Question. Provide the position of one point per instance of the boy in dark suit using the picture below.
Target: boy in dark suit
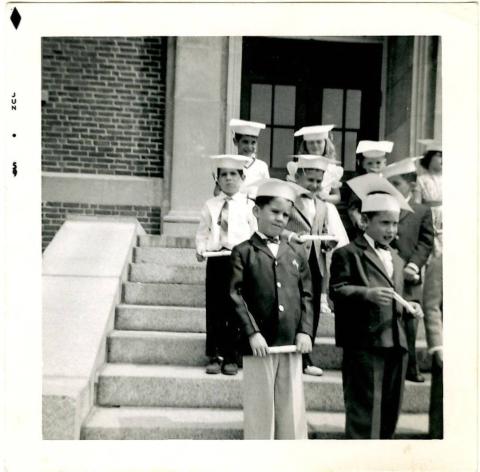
(272, 294)
(310, 216)
(414, 243)
(369, 323)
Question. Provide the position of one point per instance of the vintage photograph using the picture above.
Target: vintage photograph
(242, 237)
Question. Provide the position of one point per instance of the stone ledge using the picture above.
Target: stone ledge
(101, 189)
(83, 270)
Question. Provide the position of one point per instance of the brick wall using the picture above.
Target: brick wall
(104, 105)
(55, 213)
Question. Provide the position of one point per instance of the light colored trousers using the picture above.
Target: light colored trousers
(273, 397)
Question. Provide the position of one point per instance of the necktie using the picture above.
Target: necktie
(272, 240)
(223, 222)
(381, 246)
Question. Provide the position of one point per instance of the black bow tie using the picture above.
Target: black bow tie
(378, 245)
(272, 240)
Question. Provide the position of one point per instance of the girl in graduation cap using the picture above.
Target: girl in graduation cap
(316, 140)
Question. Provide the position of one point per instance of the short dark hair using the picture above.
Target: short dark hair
(240, 171)
(238, 136)
(410, 177)
(427, 158)
(371, 214)
(263, 200)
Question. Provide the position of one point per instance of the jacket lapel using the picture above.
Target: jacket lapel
(397, 272)
(258, 243)
(372, 257)
(300, 208)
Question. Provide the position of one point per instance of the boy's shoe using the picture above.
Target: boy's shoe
(313, 370)
(229, 368)
(214, 367)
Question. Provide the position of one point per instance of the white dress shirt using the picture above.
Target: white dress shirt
(241, 222)
(272, 246)
(384, 255)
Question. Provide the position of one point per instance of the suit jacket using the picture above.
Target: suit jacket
(360, 323)
(299, 223)
(414, 242)
(271, 295)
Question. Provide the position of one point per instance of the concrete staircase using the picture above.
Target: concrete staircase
(154, 385)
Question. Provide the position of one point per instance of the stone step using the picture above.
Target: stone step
(166, 256)
(136, 293)
(160, 318)
(191, 387)
(190, 319)
(149, 272)
(171, 348)
(165, 240)
(149, 423)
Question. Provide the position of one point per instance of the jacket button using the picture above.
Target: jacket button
(279, 284)
(276, 263)
(280, 308)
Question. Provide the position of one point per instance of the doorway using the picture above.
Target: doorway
(290, 83)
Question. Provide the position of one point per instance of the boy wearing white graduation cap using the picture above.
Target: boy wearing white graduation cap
(371, 159)
(369, 322)
(245, 138)
(225, 220)
(272, 295)
(414, 243)
(312, 216)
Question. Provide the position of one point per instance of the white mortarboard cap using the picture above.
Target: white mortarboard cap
(377, 194)
(250, 128)
(278, 188)
(313, 133)
(228, 161)
(405, 166)
(374, 148)
(311, 161)
(431, 145)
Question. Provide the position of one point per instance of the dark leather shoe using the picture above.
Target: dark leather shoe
(415, 377)
(229, 368)
(214, 366)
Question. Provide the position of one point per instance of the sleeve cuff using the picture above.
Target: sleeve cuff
(413, 266)
(434, 349)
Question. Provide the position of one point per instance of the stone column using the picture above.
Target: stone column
(199, 122)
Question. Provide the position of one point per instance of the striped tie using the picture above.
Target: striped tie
(223, 223)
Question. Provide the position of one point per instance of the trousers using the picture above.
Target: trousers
(273, 397)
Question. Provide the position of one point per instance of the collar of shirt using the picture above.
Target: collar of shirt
(224, 196)
(384, 255)
(371, 242)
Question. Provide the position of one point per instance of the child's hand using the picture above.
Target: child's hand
(303, 342)
(297, 238)
(411, 274)
(418, 309)
(329, 245)
(380, 295)
(200, 258)
(258, 344)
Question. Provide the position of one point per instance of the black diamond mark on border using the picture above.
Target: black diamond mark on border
(16, 18)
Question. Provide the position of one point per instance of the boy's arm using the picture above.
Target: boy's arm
(248, 324)
(203, 230)
(425, 241)
(342, 282)
(306, 320)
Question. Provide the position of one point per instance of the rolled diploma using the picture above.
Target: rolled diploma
(282, 349)
(318, 237)
(404, 303)
(216, 253)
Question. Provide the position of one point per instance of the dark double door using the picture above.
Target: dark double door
(290, 83)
